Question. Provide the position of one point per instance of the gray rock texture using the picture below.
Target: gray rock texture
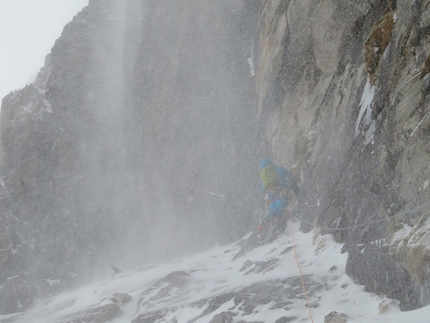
(335, 317)
(138, 129)
(279, 293)
(221, 318)
(99, 314)
(148, 120)
(353, 126)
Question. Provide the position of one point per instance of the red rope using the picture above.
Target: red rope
(300, 271)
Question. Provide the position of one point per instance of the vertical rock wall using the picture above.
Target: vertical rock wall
(149, 118)
(137, 141)
(69, 185)
(342, 89)
(196, 93)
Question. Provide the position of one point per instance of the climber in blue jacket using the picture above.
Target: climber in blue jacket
(276, 182)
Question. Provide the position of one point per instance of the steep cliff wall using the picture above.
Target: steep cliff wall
(194, 85)
(138, 134)
(342, 89)
(63, 137)
(147, 124)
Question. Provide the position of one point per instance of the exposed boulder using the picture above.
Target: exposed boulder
(410, 247)
(259, 266)
(100, 314)
(274, 291)
(148, 318)
(223, 317)
(279, 293)
(163, 289)
(387, 305)
(212, 304)
(335, 317)
(119, 298)
(286, 319)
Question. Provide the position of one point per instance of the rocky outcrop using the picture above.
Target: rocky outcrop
(162, 289)
(246, 301)
(101, 314)
(17, 290)
(139, 127)
(344, 105)
(213, 287)
(221, 318)
(195, 89)
(156, 113)
(62, 136)
(335, 317)
(409, 247)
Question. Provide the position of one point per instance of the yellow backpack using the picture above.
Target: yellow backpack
(269, 178)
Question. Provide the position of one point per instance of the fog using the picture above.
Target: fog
(138, 140)
(193, 92)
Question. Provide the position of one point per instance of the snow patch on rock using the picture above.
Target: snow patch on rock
(365, 124)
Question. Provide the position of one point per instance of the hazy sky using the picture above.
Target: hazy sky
(28, 30)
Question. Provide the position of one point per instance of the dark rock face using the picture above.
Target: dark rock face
(147, 121)
(278, 292)
(57, 135)
(174, 281)
(335, 317)
(100, 314)
(198, 113)
(139, 128)
(221, 318)
(359, 148)
(281, 293)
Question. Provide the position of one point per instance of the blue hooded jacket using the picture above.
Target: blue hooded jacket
(278, 203)
(286, 179)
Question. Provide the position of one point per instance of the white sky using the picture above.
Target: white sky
(28, 30)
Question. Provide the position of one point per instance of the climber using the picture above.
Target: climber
(276, 182)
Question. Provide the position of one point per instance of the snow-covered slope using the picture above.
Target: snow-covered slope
(226, 284)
